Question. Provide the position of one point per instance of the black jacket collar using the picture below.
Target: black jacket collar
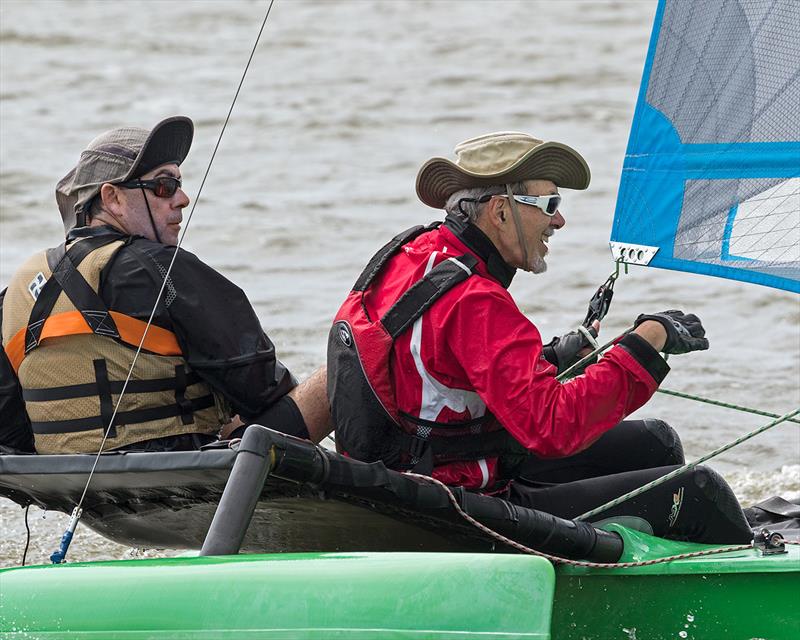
(478, 242)
(93, 232)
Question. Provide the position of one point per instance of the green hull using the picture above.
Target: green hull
(729, 596)
(409, 595)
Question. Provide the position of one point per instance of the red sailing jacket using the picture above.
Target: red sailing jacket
(473, 352)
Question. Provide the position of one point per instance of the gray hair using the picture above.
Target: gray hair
(471, 211)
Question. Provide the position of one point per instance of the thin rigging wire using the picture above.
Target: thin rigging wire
(77, 509)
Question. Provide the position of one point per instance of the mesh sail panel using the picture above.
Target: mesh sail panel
(712, 172)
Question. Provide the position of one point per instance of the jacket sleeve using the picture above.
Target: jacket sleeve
(500, 352)
(217, 328)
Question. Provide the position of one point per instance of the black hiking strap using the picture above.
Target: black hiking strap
(68, 279)
(123, 418)
(383, 255)
(181, 382)
(115, 386)
(427, 290)
(104, 393)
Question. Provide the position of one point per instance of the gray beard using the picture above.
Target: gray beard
(538, 265)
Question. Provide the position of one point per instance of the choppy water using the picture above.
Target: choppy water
(343, 103)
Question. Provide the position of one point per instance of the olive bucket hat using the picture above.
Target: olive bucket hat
(500, 158)
(117, 156)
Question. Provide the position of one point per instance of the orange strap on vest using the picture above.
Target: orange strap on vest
(70, 323)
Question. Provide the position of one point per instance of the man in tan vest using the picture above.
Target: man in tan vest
(74, 316)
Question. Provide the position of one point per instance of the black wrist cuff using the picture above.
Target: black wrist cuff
(646, 356)
(549, 354)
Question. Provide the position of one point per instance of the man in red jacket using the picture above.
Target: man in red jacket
(433, 367)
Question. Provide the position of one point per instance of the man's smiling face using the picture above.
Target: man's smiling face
(537, 229)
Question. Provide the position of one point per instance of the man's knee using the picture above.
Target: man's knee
(668, 438)
(714, 487)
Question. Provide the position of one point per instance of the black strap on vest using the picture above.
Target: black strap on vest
(123, 417)
(68, 279)
(386, 252)
(427, 290)
(90, 388)
(180, 394)
(104, 393)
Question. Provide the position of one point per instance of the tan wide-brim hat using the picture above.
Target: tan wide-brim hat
(120, 155)
(500, 158)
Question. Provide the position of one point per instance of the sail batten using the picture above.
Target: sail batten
(711, 178)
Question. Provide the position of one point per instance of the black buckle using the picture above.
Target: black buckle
(415, 446)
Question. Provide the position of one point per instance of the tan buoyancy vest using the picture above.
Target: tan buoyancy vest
(72, 360)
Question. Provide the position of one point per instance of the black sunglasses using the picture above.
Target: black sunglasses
(162, 187)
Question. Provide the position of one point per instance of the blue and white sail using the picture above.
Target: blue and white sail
(711, 179)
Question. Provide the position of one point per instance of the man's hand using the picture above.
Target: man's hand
(684, 332)
(565, 351)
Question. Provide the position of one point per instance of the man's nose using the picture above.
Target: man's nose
(558, 221)
(183, 199)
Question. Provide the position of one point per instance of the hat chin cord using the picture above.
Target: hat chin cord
(150, 213)
(518, 224)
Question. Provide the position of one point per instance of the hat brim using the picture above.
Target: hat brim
(168, 142)
(440, 178)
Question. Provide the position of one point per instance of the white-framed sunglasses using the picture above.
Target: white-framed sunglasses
(548, 204)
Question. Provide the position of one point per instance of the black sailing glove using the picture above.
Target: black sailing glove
(685, 332)
(563, 352)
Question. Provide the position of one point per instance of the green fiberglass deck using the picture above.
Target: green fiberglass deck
(390, 595)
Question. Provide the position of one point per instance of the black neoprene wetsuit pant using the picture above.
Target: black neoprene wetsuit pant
(697, 505)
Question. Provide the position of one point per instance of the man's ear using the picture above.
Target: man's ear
(496, 213)
(109, 195)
